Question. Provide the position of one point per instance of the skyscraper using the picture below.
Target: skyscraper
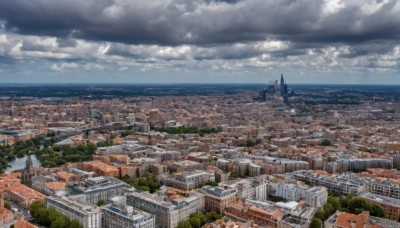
(282, 86)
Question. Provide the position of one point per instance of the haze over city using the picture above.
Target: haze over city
(200, 41)
(199, 113)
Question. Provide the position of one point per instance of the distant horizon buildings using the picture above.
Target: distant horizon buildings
(276, 91)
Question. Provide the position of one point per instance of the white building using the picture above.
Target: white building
(73, 207)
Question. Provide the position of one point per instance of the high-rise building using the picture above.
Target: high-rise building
(282, 86)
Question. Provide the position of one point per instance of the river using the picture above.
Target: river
(19, 163)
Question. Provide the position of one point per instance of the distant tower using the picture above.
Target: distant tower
(282, 86)
(27, 173)
(285, 94)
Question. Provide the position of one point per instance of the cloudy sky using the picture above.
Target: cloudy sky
(213, 41)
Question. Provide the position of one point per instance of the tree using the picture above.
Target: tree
(357, 205)
(376, 210)
(60, 222)
(213, 216)
(316, 223)
(34, 208)
(7, 205)
(43, 217)
(334, 202)
(326, 142)
(184, 224)
(101, 203)
(320, 214)
(74, 224)
(328, 209)
(195, 222)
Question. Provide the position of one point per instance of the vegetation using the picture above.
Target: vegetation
(10, 152)
(326, 142)
(7, 205)
(126, 132)
(275, 198)
(350, 204)
(185, 130)
(60, 154)
(101, 203)
(197, 220)
(49, 217)
(249, 143)
(316, 223)
(104, 144)
(147, 182)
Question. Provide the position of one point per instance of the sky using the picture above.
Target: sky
(200, 41)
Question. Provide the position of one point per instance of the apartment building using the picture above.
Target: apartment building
(391, 206)
(98, 188)
(190, 179)
(89, 216)
(122, 216)
(168, 211)
(218, 198)
(385, 188)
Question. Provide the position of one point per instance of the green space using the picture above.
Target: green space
(197, 220)
(147, 182)
(185, 130)
(49, 217)
(57, 155)
(350, 204)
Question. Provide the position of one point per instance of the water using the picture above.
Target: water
(19, 163)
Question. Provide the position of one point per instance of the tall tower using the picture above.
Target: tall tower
(282, 86)
(27, 173)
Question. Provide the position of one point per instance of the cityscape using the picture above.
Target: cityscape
(200, 114)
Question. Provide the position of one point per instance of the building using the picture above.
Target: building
(313, 197)
(385, 188)
(190, 179)
(122, 216)
(217, 199)
(391, 206)
(344, 184)
(344, 219)
(168, 211)
(6, 216)
(98, 188)
(261, 216)
(74, 207)
(28, 173)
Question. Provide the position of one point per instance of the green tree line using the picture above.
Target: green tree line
(57, 155)
(49, 217)
(350, 204)
(147, 182)
(197, 220)
(185, 130)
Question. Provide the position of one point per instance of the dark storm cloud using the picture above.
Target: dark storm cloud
(202, 22)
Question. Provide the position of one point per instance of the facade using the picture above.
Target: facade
(217, 199)
(313, 197)
(345, 184)
(344, 219)
(74, 208)
(168, 212)
(391, 206)
(190, 179)
(122, 216)
(385, 188)
(99, 188)
(261, 216)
